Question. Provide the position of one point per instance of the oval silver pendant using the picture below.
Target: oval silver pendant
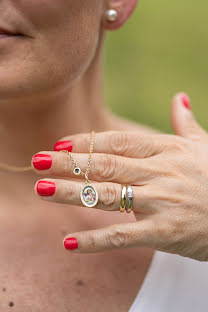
(89, 196)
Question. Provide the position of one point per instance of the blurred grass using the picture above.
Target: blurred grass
(161, 50)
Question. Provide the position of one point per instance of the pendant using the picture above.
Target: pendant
(89, 196)
(77, 171)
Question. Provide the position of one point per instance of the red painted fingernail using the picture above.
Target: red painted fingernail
(42, 161)
(46, 188)
(63, 145)
(71, 243)
(186, 101)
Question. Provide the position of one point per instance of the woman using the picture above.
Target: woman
(51, 91)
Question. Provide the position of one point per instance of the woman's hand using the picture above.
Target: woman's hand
(169, 176)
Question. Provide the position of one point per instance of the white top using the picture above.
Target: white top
(173, 284)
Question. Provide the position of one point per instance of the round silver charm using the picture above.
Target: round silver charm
(89, 196)
(77, 171)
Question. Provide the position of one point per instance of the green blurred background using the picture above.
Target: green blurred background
(163, 49)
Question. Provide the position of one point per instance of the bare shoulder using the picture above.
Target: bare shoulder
(121, 123)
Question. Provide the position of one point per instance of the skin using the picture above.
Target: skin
(35, 112)
(48, 80)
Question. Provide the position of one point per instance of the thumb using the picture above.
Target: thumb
(183, 121)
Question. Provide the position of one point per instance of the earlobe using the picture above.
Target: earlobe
(117, 13)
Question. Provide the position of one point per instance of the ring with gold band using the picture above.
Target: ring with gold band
(129, 202)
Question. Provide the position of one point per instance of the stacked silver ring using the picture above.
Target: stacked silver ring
(126, 198)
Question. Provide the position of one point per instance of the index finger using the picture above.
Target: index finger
(124, 143)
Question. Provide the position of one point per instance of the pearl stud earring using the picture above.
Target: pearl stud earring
(111, 15)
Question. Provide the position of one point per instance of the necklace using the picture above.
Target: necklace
(14, 168)
(88, 194)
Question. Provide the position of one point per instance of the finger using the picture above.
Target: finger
(109, 195)
(136, 234)
(124, 143)
(104, 167)
(183, 120)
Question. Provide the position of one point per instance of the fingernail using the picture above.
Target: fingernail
(46, 188)
(42, 161)
(186, 101)
(71, 243)
(63, 145)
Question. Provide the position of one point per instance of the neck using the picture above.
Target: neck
(36, 125)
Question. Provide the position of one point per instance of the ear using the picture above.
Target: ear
(124, 9)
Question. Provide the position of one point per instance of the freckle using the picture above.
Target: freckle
(80, 283)
(63, 232)
(4, 289)
(11, 304)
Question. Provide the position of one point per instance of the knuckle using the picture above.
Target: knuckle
(61, 164)
(174, 229)
(170, 234)
(179, 145)
(64, 165)
(167, 197)
(147, 145)
(92, 241)
(161, 231)
(69, 192)
(108, 196)
(119, 142)
(105, 167)
(176, 147)
(117, 237)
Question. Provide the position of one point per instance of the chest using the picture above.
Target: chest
(51, 282)
(37, 274)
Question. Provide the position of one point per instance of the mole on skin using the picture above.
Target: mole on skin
(80, 283)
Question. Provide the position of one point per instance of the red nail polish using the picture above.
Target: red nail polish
(186, 101)
(71, 243)
(63, 145)
(46, 188)
(42, 161)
